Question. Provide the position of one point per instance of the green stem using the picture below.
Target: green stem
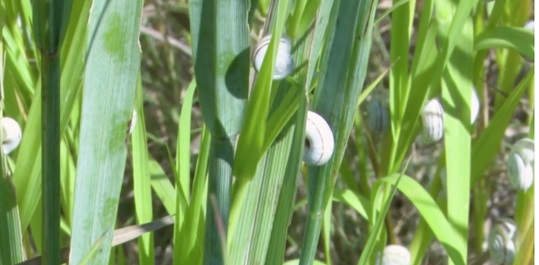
(50, 111)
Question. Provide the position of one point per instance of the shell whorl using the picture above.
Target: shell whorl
(396, 255)
(520, 164)
(432, 117)
(501, 241)
(11, 133)
(377, 116)
(284, 64)
(319, 142)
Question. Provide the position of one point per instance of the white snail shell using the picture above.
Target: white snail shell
(319, 142)
(283, 63)
(396, 255)
(501, 241)
(475, 106)
(133, 122)
(433, 122)
(377, 116)
(11, 133)
(520, 164)
(530, 25)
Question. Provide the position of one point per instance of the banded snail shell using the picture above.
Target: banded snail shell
(132, 122)
(284, 64)
(396, 255)
(520, 164)
(474, 111)
(433, 122)
(377, 116)
(319, 142)
(11, 133)
(501, 241)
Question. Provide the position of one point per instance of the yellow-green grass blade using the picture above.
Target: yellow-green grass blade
(142, 181)
(183, 152)
(431, 212)
(192, 231)
(384, 196)
(162, 186)
(398, 75)
(516, 38)
(285, 204)
(326, 232)
(355, 200)
(252, 140)
(483, 149)
(11, 251)
(108, 100)
(221, 51)
(456, 99)
(342, 74)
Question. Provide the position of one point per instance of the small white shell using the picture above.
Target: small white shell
(283, 63)
(133, 122)
(530, 25)
(11, 133)
(396, 255)
(433, 122)
(377, 116)
(475, 106)
(319, 142)
(520, 164)
(501, 241)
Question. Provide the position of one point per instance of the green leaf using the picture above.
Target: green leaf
(518, 39)
(108, 99)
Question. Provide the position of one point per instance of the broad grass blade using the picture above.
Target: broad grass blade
(108, 100)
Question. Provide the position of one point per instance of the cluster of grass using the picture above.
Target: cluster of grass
(213, 164)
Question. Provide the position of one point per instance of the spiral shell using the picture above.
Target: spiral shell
(319, 142)
(530, 25)
(501, 241)
(475, 106)
(11, 133)
(433, 122)
(396, 255)
(377, 116)
(283, 63)
(520, 164)
(132, 122)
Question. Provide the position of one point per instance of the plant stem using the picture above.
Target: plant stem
(50, 111)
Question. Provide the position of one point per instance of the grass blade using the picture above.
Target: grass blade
(108, 99)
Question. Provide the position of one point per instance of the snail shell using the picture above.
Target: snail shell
(283, 63)
(319, 142)
(11, 133)
(520, 164)
(132, 122)
(501, 241)
(396, 255)
(433, 122)
(377, 116)
(475, 106)
(530, 25)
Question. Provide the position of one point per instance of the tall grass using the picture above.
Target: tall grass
(215, 157)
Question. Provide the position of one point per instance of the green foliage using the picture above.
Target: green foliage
(217, 146)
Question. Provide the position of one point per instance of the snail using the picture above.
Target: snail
(520, 164)
(433, 122)
(132, 123)
(283, 63)
(11, 133)
(433, 119)
(319, 142)
(501, 241)
(377, 116)
(530, 25)
(474, 111)
(395, 255)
